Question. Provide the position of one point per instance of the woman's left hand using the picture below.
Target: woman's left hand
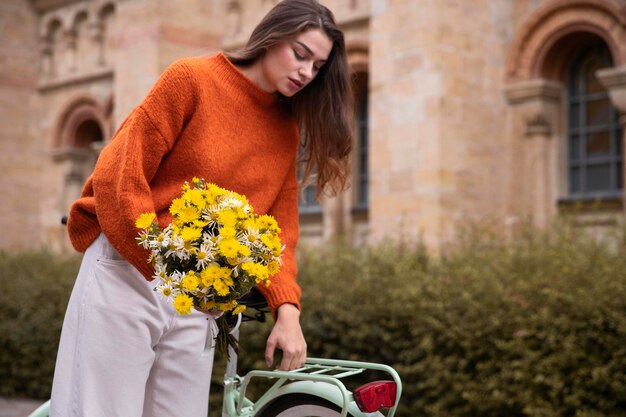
(287, 336)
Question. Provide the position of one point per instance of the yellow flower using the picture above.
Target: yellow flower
(195, 197)
(277, 246)
(208, 305)
(183, 304)
(191, 281)
(213, 192)
(226, 279)
(262, 271)
(273, 268)
(178, 204)
(227, 232)
(145, 220)
(191, 234)
(199, 223)
(212, 273)
(189, 214)
(227, 306)
(239, 309)
(244, 250)
(241, 214)
(223, 283)
(259, 271)
(228, 218)
(229, 247)
(208, 275)
(249, 223)
(220, 287)
(267, 241)
(267, 222)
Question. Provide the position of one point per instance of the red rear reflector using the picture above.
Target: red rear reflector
(375, 395)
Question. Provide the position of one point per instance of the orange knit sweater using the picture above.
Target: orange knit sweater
(202, 118)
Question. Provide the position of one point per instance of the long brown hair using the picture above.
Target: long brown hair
(323, 108)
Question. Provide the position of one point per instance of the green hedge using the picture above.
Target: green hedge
(534, 326)
(34, 290)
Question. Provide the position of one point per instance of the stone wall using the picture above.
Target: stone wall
(21, 153)
(466, 103)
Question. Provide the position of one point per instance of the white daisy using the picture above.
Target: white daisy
(167, 290)
(204, 256)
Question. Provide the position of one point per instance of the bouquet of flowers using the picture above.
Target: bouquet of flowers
(214, 251)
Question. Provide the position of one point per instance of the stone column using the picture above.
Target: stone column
(614, 80)
(72, 162)
(537, 102)
(71, 50)
(96, 35)
(331, 221)
(45, 52)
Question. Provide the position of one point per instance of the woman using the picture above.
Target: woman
(234, 120)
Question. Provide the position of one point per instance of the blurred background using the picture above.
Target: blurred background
(482, 237)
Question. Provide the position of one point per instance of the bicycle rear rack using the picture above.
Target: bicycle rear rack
(329, 371)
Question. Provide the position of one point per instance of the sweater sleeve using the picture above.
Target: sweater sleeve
(284, 288)
(125, 168)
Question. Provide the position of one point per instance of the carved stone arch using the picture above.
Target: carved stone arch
(78, 39)
(63, 18)
(49, 24)
(105, 9)
(50, 30)
(53, 47)
(81, 129)
(80, 110)
(80, 15)
(545, 40)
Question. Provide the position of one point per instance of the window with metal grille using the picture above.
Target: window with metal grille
(362, 143)
(306, 199)
(594, 134)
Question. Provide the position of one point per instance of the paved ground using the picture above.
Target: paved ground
(17, 408)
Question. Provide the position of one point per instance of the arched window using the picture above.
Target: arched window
(87, 133)
(594, 134)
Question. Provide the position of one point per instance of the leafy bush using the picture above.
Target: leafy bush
(34, 291)
(530, 327)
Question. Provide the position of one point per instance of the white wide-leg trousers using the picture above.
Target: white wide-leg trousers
(124, 352)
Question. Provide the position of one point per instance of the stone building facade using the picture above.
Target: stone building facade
(466, 109)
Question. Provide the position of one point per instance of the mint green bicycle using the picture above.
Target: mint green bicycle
(315, 390)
